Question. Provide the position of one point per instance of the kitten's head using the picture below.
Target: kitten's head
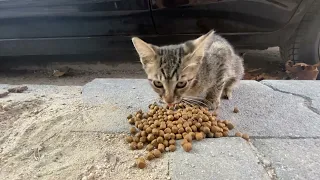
(172, 69)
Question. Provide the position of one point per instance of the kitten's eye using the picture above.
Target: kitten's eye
(181, 84)
(157, 84)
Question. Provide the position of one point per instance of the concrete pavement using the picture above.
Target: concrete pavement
(282, 118)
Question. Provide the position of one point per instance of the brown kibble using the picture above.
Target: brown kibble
(129, 116)
(155, 132)
(172, 148)
(180, 130)
(210, 135)
(129, 139)
(199, 136)
(221, 125)
(131, 121)
(218, 134)
(150, 147)
(133, 130)
(188, 137)
(161, 147)
(193, 135)
(148, 130)
(184, 141)
(174, 129)
(156, 153)
(235, 110)
(187, 147)
(150, 156)
(143, 133)
(170, 117)
(230, 126)
(178, 136)
(139, 145)
(167, 136)
(215, 129)
(133, 145)
(161, 133)
(138, 134)
(198, 125)
(245, 136)
(166, 143)
(188, 129)
(194, 128)
(238, 134)
(225, 133)
(206, 130)
(160, 139)
(150, 137)
(136, 139)
(154, 143)
(172, 136)
(141, 163)
(167, 130)
(143, 139)
(163, 126)
(172, 142)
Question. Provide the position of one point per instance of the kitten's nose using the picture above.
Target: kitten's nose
(168, 99)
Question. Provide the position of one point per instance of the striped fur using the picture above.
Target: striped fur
(206, 66)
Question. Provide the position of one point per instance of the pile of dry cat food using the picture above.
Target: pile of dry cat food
(159, 129)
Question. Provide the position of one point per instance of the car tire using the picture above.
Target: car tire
(304, 45)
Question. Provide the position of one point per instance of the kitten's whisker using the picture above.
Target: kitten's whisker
(198, 98)
(198, 102)
(187, 102)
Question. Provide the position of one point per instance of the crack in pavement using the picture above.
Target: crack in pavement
(307, 100)
(266, 164)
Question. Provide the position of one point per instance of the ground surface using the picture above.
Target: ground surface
(73, 132)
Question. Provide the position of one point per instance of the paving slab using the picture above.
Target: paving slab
(263, 111)
(113, 100)
(292, 158)
(308, 90)
(222, 158)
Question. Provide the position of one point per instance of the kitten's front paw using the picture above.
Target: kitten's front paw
(226, 95)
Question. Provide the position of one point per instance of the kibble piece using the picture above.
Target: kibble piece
(238, 134)
(156, 153)
(143, 139)
(155, 132)
(160, 139)
(141, 163)
(178, 136)
(167, 136)
(150, 156)
(245, 136)
(129, 139)
(139, 145)
(199, 136)
(167, 130)
(129, 116)
(170, 117)
(133, 130)
(187, 147)
(184, 141)
(150, 137)
(172, 148)
(150, 147)
(198, 125)
(133, 145)
(154, 143)
(148, 130)
(161, 147)
(166, 143)
(193, 135)
(136, 139)
(172, 142)
(235, 110)
(218, 134)
(210, 135)
(206, 130)
(131, 121)
(188, 129)
(230, 126)
(221, 125)
(180, 130)
(225, 133)
(174, 129)
(188, 137)
(143, 133)
(163, 126)
(215, 129)
(161, 133)
(172, 136)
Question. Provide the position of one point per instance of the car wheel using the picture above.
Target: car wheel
(304, 46)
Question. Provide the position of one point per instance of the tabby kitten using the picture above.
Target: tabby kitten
(207, 65)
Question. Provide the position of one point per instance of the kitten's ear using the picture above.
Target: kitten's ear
(197, 47)
(146, 51)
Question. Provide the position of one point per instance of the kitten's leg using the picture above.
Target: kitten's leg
(214, 94)
(228, 87)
